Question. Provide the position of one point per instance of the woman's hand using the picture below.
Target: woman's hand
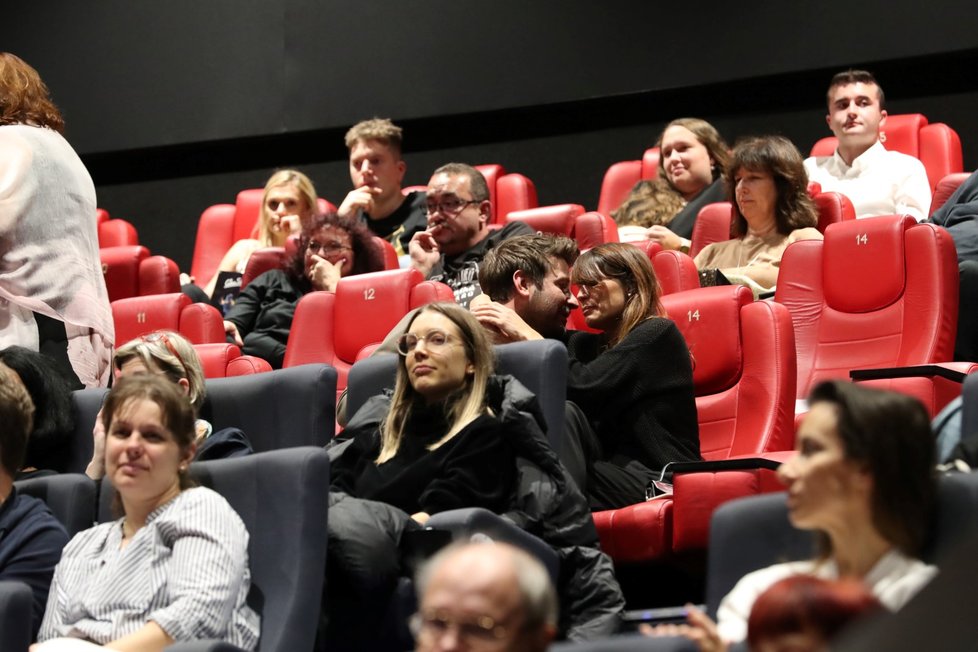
(325, 275)
(666, 238)
(288, 224)
(231, 330)
(96, 468)
(698, 628)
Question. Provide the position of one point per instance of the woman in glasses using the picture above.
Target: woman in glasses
(632, 383)
(330, 247)
(172, 356)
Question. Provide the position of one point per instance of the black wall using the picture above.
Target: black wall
(178, 105)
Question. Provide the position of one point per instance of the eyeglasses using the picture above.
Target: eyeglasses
(479, 630)
(449, 207)
(160, 336)
(317, 248)
(433, 341)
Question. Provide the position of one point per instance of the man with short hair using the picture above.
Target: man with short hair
(878, 181)
(474, 594)
(527, 288)
(458, 234)
(31, 538)
(377, 171)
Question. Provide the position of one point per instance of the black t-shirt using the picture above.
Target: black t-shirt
(398, 227)
(461, 272)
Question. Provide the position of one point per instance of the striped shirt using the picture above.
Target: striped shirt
(186, 570)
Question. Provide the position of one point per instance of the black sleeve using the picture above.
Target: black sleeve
(345, 470)
(33, 563)
(244, 313)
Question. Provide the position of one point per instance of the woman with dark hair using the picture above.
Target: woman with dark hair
(632, 383)
(330, 247)
(174, 566)
(54, 422)
(52, 293)
(692, 158)
(863, 478)
(768, 188)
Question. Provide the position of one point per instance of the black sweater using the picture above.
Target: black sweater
(475, 468)
(263, 314)
(638, 395)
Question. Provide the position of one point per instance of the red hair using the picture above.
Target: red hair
(803, 603)
(24, 98)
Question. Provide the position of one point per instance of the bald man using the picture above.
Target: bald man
(488, 594)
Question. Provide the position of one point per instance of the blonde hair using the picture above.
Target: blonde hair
(462, 406)
(180, 363)
(297, 180)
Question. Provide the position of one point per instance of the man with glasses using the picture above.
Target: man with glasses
(451, 249)
(377, 172)
(486, 596)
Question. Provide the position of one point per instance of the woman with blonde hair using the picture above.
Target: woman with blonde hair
(288, 204)
(631, 386)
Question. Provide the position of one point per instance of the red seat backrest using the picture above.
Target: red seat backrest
(833, 207)
(877, 292)
(198, 322)
(117, 233)
(945, 188)
(120, 268)
(744, 369)
(712, 225)
(675, 272)
(221, 360)
(621, 177)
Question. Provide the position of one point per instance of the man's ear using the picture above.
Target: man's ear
(828, 121)
(522, 283)
(485, 211)
(401, 169)
(882, 118)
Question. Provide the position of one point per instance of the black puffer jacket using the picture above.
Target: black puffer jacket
(547, 504)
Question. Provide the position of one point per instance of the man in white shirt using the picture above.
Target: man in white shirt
(878, 181)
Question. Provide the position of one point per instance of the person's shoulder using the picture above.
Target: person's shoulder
(512, 230)
(894, 157)
(200, 506)
(805, 233)
(91, 539)
(30, 514)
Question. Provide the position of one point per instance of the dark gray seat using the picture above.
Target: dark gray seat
(275, 409)
(282, 497)
(16, 603)
(70, 497)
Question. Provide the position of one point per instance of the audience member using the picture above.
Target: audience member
(377, 171)
(632, 383)
(32, 538)
(527, 288)
(331, 247)
(863, 478)
(169, 355)
(480, 595)
(650, 202)
(439, 443)
(458, 234)
(287, 205)
(803, 613)
(878, 181)
(54, 420)
(771, 208)
(174, 567)
(52, 293)
(692, 158)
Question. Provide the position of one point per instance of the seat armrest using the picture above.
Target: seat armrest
(935, 385)
(659, 615)
(771, 461)
(203, 646)
(954, 371)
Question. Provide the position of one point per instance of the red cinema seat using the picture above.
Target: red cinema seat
(945, 188)
(936, 145)
(744, 376)
(507, 192)
(268, 258)
(878, 292)
(222, 225)
(198, 322)
(116, 233)
(333, 327)
(223, 360)
(621, 177)
(131, 272)
(589, 229)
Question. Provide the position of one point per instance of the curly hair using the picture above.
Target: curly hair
(367, 256)
(649, 202)
(777, 156)
(24, 98)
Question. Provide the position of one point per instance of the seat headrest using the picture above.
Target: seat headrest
(558, 219)
(709, 319)
(369, 306)
(650, 163)
(901, 133)
(870, 248)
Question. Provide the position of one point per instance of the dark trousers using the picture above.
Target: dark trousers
(607, 485)
(966, 345)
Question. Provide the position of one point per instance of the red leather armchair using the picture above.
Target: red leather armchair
(198, 322)
(223, 360)
(589, 229)
(936, 145)
(130, 272)
(334, 327)
(744, 376)
(622, 176)
(877, 292)
(945, 188)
